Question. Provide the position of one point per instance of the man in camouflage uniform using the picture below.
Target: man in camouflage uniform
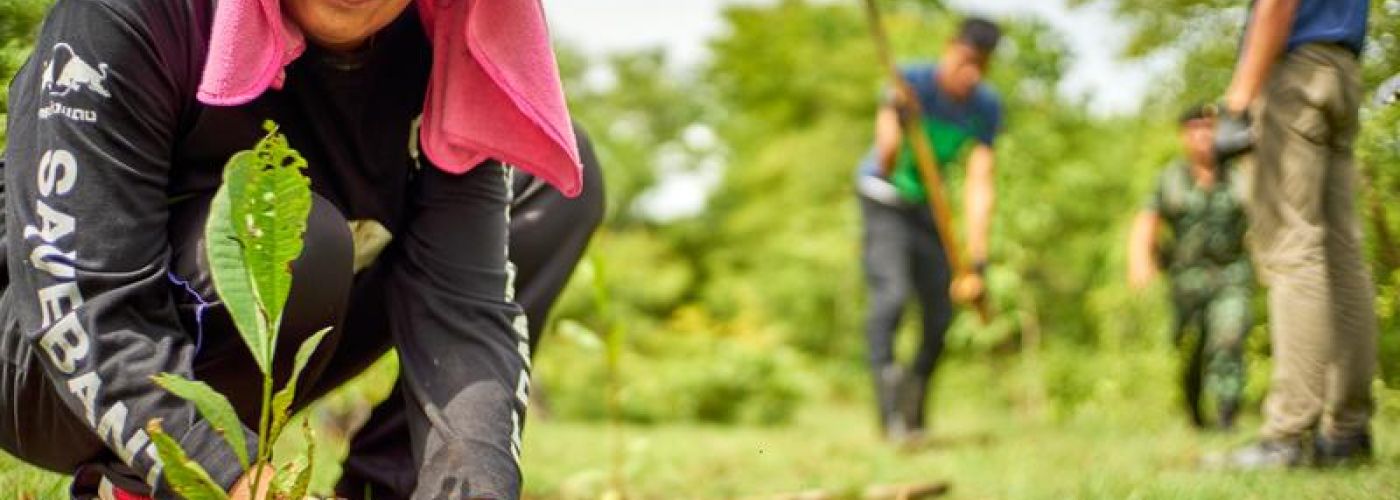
(1211, 278)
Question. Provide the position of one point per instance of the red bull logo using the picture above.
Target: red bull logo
(65, 73)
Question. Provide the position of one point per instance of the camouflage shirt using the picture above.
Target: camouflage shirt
(1206, 247)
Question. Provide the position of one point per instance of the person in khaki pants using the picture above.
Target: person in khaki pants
(1299, 77)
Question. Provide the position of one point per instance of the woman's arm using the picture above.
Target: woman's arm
(90, 139)
(461, 338)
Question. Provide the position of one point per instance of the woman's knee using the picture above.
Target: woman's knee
(323, 273)
(319, 296)
(321, 276)
(326, 258)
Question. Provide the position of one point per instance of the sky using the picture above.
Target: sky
(682, 26)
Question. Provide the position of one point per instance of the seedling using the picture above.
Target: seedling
(255, 229)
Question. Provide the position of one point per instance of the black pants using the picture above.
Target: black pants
(903, 259)
(548, 235)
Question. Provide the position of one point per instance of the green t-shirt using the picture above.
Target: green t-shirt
(950, 124)
(947, 141)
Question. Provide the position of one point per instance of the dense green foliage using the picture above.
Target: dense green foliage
(771, 264)
(19, 23)
(1379, 153)
(773, 260)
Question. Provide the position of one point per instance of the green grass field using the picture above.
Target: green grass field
(991, 441)
(995, 437)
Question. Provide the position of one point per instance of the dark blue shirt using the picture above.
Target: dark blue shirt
(1330, 21)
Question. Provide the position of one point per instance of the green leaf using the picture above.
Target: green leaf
(225, 254)
(293, 479)
(303, 482)
(285, 477)
(269, 208)
(186, 477)
(255, 229)
(214, 407)
(282, 401)
(615, 338)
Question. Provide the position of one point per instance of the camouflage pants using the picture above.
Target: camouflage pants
(1211, 326)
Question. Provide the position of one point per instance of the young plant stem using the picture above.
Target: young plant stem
(615, 414)
(264, 423)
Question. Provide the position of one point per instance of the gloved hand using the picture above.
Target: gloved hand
(1233, 136)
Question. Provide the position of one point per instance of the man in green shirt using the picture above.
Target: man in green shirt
(902, 255)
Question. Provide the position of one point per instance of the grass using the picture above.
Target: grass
(1107, 427)
(980, 458)
(990, 442)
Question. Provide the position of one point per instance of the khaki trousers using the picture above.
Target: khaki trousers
(1307, 240)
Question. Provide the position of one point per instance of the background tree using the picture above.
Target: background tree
(19, 24)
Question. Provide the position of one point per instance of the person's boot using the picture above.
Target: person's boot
(1227, 413)
(912, 395)
(887, 393)
(1352, 450)
(1192, 390)
(1261, 455)
(1193, 411)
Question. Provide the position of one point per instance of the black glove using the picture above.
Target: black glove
(1233, 136)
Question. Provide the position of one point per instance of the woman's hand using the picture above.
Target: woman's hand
(243, 488)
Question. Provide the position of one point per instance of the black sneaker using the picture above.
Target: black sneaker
(893, 424)
(1228, 412)
(1262, 455)
(912, 396)
(1354, 450)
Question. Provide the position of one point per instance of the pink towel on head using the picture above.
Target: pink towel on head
(249, 46)
(494, 90)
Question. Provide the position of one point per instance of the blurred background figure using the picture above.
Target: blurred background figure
(903, 256)
(1212, 280)
(1299, 69)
